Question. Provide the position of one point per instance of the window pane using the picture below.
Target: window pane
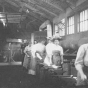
(78, 27)
(80, 16)
(81, 26)
(83, 21)
(85, 25)
(61, 27)
(70, 27)
(85, 18)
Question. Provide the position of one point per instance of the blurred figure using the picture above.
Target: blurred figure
(49, 48)
(37, 52)
(57, 52)
(81, 65)
(35, 42)
(27, 56)
(22, 51)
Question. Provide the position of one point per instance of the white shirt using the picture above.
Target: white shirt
(37, 48)
(82, 55)
(27, 48)
(50, 47)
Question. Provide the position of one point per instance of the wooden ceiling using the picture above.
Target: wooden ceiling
(36, 11)
(39, 9)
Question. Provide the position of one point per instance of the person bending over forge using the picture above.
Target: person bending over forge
(37, 52)
(81, 65)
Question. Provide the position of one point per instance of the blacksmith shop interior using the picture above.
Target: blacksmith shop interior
(27, 22)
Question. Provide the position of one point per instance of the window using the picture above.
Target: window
(83, 21)
(49, 30)
(60, 28)
(70, 25)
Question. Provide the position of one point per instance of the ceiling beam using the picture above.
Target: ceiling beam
(71, 2)
(22, 6)
(37, 5)
(11, 2)
(40, 10)
(34, 11)
(53, 5)
(29, 7)
(33, 15)
(47, 10)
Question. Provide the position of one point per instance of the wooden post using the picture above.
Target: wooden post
(32, 38)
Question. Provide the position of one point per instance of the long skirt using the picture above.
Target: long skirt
(26, 62)
(32, 67)
(33, 64)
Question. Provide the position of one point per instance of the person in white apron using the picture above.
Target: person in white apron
(57, 53)
(27, 56)
(54, 53)
(49, 48)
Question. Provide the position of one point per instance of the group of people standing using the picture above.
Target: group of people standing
(51, 54)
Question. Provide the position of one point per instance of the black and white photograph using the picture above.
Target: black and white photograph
(43, 43)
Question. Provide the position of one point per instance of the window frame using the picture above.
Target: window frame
(72, 25)
(58, 29)
(83, 20)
